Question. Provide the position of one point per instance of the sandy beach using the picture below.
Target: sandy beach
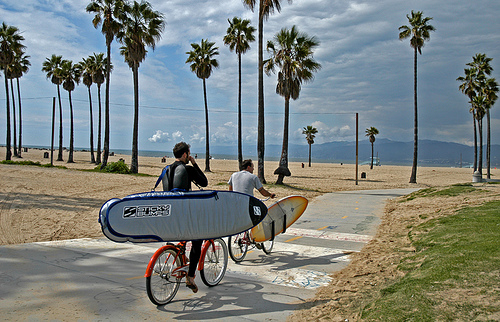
(41, 204)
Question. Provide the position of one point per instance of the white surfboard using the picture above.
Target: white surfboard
(178, 216)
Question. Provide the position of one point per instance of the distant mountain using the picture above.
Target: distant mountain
(430, 152)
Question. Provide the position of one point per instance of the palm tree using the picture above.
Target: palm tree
(87, 68)
(10, 75)
(468, 87)
(203, 62)
(142, 27)
(52, 67)
(490, 91)
(20, 67)
(292, 53)
(371, 132)
(238, 38)
(481, 92)
(10, 45)
(266, 8)
(309, 131)
(70, 75)
(108, 13)
(419, 31)
(98, 76)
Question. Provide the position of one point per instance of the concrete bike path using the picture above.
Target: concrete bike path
(95, 279)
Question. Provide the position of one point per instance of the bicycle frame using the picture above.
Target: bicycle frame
(184, 259)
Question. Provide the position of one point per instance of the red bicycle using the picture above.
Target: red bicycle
(170, 263)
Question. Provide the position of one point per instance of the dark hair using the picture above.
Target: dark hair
(245, 164)
(181, 148)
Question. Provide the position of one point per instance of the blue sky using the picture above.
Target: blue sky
(365, 69)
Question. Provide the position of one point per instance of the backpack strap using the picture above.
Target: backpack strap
(160, 177)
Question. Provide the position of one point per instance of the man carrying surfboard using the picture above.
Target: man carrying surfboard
(245, 181)
(179, 175)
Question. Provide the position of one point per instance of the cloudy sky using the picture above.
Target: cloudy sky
(365, 69)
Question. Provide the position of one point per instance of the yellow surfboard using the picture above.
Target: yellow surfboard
(281, 215)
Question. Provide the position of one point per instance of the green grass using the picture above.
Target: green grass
(32, 163)
(454, 273)
(454, 190)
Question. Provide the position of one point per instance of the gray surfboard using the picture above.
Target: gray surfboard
(177, 216)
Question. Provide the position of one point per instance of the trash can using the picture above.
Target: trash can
(363, 175)
(46, 155)
(477, 177)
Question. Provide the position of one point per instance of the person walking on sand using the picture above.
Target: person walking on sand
(180, 175)
(245, 181)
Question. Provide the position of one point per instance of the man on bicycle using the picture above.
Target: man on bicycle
(179, 175)
(245, 181)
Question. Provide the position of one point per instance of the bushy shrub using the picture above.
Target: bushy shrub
(115, 167)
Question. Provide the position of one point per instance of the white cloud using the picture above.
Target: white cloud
(160, 137)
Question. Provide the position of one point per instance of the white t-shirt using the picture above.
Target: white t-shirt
(245, 182)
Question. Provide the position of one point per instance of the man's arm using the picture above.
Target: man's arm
(197, 175)
(266, 193)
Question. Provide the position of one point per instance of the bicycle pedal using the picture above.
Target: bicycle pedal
(259, 246)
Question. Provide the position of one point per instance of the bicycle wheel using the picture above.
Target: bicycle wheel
(238, 246)
(267, 246)
(215, 263)
(162, 285)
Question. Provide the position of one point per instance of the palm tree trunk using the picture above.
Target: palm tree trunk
(488, 144)
(13, 117)
(283, 166)
(92, 158)
(371, 163)
(71, 134)
(134, 168)
(20, 119)
(310, 145)
(480, 159)
(207, 135)
(475, 139)
(8, 152)
(240, 148)
(413, 177)
(106, 108)
(99, 139)
(260, 125)
(60, 154)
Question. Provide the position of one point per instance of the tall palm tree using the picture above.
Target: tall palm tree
(309, 131)
(419, 32)
(98, 77)
(20, 67)
(238, 38)
(266, 8)
(52, 67)
(10, 75)
(292, 54)
(109, 14)
(87, 68)
(468, 87)
(371, 132)
(10, 45)
(481, 92)
(481, 64)
(70, 74)
(142, 27)
(202, 61)
(490, 91)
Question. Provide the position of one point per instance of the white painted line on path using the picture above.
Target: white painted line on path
(327, 235)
